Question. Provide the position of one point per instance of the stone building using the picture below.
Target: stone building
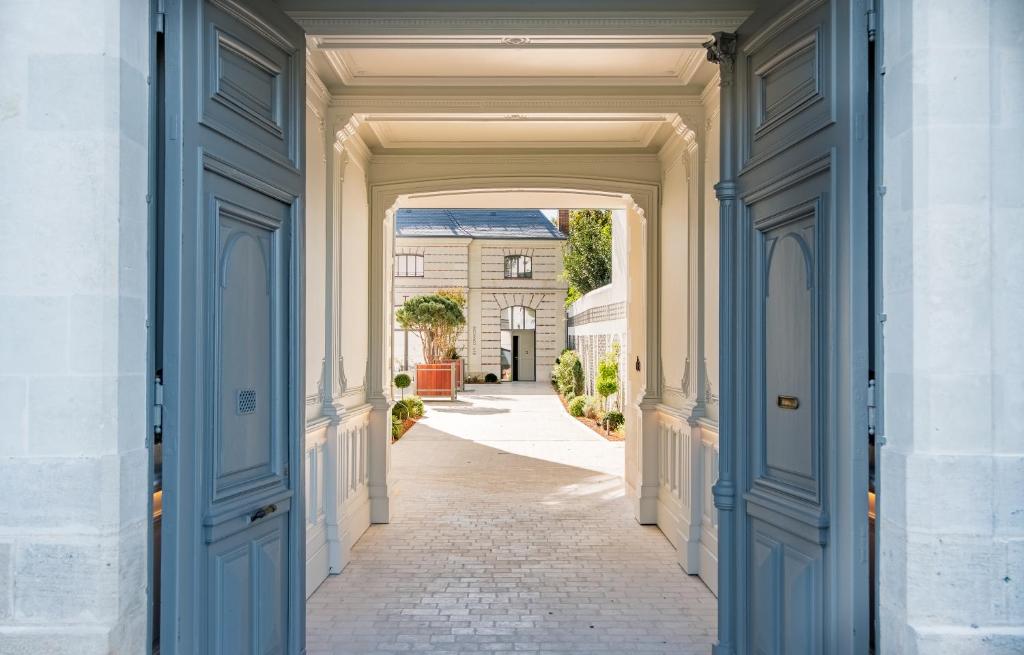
(508, 262)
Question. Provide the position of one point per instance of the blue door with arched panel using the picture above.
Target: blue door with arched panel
(231, 354)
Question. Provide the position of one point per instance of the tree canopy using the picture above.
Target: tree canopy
(587, 254)
(436, 319)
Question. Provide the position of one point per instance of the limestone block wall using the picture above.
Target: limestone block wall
(74, 463)
(952, 470)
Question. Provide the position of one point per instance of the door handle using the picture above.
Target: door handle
(262, 512)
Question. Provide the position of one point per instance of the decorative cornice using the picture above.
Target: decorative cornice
(514, 104)
(316, 90)
(345, 127)
(535, 24)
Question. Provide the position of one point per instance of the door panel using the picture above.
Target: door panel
(798, 247)
(233, 324)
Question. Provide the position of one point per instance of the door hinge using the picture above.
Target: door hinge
(158, 405)
(872, 16)
(872, 408)
(159, 21)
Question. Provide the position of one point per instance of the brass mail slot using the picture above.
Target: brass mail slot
(788, 402)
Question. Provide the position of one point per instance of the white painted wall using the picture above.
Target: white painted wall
(675, 258)
(73, 308)
(355, 271)
(952, 472)
(316, 245)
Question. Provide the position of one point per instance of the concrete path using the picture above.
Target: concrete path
(510, 533)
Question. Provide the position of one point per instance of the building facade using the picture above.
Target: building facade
(508, 263)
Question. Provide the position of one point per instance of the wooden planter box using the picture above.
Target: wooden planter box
(441, 380)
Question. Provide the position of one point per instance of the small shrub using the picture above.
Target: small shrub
(568, 374)
(614, 420)
(400, 410)
(402, 381)
(397, 425)
(594, 408)
(415, 406)
(578, 405)
(491, 378)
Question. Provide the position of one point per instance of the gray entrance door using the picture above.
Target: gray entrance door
(793, 484)
(232, 356)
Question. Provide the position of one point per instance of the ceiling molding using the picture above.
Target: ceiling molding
(691, 62)
(668, 79)
(513, 105)
(317, 90)
(337, 63)
(519, 24)
(391, 41)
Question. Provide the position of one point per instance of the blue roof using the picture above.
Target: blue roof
(476, 224)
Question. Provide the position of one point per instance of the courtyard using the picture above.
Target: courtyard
(510, 532)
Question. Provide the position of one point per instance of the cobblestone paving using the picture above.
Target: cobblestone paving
(510, 533)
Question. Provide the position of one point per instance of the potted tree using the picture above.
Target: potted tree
(458, 296)
(436, 319)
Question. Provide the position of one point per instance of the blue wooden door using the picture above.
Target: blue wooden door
(233, 543)
(795, 273)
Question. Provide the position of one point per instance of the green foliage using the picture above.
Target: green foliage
(490, 377)
(397, 426)
(614, 420)
(607, 383)
(578, 405)
(415, 406)
(587, 254)
(436, 319)
(411, 407)
(568, 374)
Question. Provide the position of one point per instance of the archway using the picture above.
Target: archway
(639, 201)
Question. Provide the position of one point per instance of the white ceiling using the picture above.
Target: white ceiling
(521, 132)
(596, 66)
(524, 65)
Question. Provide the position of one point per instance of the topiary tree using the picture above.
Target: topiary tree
(607, 383)
(436, 319)
(402, 381)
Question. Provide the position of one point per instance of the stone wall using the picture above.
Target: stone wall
(952, 471)
(73, 309)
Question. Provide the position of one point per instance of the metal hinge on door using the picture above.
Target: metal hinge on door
(158, 406)
(159, 18)
(872, 16)
(872, 408)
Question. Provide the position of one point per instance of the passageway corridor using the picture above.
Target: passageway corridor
(510, 532)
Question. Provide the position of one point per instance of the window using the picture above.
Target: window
(518, 317)
(518, 266)
(408, 265)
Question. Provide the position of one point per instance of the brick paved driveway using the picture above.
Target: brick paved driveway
(510, 533)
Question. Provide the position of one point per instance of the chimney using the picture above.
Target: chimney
(563, 221)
